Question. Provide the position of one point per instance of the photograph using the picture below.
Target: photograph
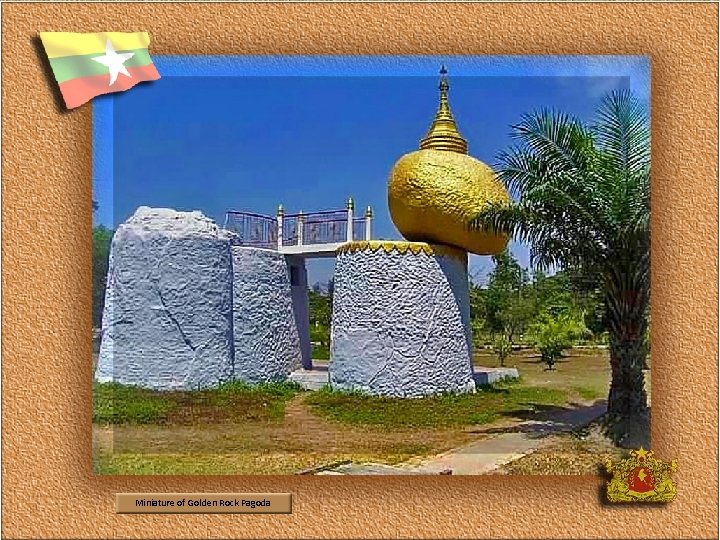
(372, 265)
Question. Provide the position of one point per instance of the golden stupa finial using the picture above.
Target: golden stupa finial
(444, 134)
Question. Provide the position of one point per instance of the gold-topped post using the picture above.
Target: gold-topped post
(350, 207)
(280, 216)
(300, 227)
(443, 133)
(368, 223)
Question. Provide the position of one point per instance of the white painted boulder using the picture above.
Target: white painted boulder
(401, 320)
(265, 333)
(167, 322)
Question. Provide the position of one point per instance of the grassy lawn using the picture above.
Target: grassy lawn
(279, 429)
(231, 402)
(446, 411)
(586, 373)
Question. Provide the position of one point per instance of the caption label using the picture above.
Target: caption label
(203, 503)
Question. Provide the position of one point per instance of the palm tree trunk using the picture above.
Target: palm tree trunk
(627, 399)
(626, 302)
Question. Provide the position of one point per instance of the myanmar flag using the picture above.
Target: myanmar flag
(88, 65)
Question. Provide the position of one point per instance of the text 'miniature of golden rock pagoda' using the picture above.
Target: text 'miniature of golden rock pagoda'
(434, 192)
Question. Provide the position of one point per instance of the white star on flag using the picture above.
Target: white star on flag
(114, 61)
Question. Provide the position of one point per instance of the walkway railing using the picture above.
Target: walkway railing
(253, 230)
(312, 229)
(316, 228)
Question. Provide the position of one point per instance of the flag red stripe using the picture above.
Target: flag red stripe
(78, 91)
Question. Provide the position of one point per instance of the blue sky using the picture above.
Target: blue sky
(252, 134)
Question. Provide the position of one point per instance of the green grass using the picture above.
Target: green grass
(119, 404)
(241, 463)
(242, 429)
(181, 464)
(588, 393)
(448, 410)
(234, 401)
(320, 352)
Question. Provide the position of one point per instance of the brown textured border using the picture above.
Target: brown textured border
(48, 487)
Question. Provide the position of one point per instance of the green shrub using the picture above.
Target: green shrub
(320, 334)
(281, 389)
(503, 348)
(554, 334)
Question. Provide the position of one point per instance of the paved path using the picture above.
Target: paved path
(311, 379)
(502, 445)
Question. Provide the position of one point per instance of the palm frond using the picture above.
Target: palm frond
(622, 132)
(578, 189)
(560, 139)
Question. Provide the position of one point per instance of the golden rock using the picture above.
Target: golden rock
(433, 193)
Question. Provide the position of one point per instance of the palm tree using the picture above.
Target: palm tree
(582, 202)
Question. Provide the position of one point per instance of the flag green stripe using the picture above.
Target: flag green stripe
(72, 67)
(58, 44)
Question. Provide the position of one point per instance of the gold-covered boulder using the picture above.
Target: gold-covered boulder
(434, 194)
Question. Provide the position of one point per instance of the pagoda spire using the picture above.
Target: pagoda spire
(443, 133)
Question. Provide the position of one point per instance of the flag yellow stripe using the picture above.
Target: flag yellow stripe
(58, 44)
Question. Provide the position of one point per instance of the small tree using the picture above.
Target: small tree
(555, 334)
(516, 315)
(478, 321)
(503, 348)
(505, 283)
(320, 307)
(478, 328)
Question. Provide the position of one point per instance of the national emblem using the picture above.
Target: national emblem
(641, 478)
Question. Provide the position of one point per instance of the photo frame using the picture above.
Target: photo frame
(46, 281)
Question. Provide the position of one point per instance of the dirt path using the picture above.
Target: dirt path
(505, 443)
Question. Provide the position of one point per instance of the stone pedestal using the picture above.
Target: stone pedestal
(299, 287)
(167, 322)
(265, 332)
(186, 310)
(401, 320)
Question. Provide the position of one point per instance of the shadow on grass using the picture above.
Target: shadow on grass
(540, 421)
(441, 411)
(490, 389)
(537, 360)
(537, 420)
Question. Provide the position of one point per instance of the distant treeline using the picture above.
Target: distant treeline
(516, 305)
(550, 312)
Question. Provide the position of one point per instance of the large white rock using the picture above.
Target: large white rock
(167, 322)
(267, 344)
(401, 320)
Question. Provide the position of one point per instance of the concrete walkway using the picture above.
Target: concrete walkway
(311, 379)
(501, 445)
